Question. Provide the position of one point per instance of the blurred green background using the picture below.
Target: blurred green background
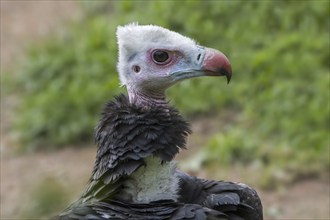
(273, 117)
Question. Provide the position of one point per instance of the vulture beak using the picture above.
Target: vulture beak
(216, 63)
(211, 62)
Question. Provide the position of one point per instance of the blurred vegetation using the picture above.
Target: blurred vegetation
(49, 196)
(279, 51)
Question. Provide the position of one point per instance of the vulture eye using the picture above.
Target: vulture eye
(160, 57)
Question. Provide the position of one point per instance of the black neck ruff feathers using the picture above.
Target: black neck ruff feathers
(126, 134)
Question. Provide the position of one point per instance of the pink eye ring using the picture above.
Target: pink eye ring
(161, 57)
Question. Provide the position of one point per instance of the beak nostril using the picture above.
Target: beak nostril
(198, 57)
(136, 68)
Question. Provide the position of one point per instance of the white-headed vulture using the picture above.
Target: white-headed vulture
(140, 133)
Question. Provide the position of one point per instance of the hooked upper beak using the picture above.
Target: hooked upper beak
(213, 63)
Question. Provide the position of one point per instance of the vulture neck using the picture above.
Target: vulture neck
(147, 100)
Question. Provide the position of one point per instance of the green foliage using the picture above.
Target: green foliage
(279, 161)
(63, 83)
(49, 197)
(280, 58)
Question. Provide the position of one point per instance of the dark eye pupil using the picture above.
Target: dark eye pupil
(160, 56)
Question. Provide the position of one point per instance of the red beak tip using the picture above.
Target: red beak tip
(217, 62)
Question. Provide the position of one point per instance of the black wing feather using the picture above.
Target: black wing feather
(160, 210)
(235, 199)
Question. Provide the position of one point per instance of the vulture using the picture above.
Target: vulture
(139, 134)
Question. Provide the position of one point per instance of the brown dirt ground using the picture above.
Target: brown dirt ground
(27, 21)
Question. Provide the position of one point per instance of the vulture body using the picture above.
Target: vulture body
(138, 136)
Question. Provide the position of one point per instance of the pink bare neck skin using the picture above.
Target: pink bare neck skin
(148, 99)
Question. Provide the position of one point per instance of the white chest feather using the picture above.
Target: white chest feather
(155, 181)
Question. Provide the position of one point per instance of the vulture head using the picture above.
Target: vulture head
(152, 58)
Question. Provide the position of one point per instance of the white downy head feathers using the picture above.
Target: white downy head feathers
(134, 38)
